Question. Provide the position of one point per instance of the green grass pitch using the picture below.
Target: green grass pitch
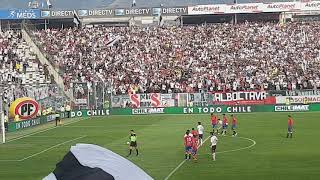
(160, 140)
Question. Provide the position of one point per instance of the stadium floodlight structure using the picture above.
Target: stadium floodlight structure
(39, 4)
(235, 15)
(33, 4)
(49, 4)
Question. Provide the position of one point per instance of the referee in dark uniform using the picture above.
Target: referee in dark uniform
(58, 119)
(133, 143)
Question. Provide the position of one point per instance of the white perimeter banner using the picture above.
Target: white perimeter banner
(244, 8)
(297, 99)
(310, 6)
(282, 7)
(207, 9)
(152, 100)
(254, 8)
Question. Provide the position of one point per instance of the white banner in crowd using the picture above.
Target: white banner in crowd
(207, 9)
(167, 100)
(156, 100)
(244, 8)
(254, 8)
(281, 7)
(152, 100)
(297, 99)
(310, 6)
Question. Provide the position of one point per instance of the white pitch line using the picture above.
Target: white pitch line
(175, 169)
(21, 137)
(43, 137)
(172, 172)
(239, 149)
(3, 160)
(248, 147)
(133, 125)
(84, 127)
(36, 154)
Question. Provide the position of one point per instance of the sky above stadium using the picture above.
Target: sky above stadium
(87, 4)
(60, 4)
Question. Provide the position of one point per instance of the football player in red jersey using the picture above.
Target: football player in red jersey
(194, 132)
(234, 123)
(224, 125)
(188, 145)
(290, 126)
(195, 147)
(214, 121)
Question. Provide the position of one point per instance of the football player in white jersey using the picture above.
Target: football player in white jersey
(200, 132)
(214, 141)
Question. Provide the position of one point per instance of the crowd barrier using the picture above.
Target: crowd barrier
(97, 96)
(216, 98)
(20, 125)
(196, 110)
(217, 109)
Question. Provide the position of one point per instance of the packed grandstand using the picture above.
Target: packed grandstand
(217, 57)
(226, 56)
(207, 63)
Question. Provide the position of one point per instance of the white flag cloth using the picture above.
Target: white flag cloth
(87, 161)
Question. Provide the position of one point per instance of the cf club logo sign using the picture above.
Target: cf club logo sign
(26, 108)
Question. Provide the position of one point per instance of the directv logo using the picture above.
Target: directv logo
(119, 12)
(83, 12)
(45, 13)
(156, 11)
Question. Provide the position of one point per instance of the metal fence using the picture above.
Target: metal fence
(31, 28)
(89, 95)
(239, 98)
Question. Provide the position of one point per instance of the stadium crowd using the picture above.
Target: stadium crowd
(12, 63)
(218, 57)
(15, 63)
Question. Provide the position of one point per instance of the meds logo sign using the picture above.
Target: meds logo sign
(20, 14)
(26, 108)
